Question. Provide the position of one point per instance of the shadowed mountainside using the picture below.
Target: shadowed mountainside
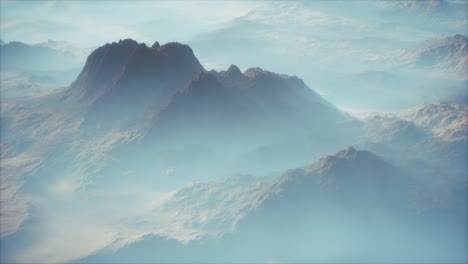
(309, 213)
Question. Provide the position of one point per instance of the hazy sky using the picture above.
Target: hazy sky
(92, 23)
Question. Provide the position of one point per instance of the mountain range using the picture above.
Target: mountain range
(183, 109)
(34, 70)
(309, 213)
(445, 121)
(449, 54)
(155, 117)
(50, 56)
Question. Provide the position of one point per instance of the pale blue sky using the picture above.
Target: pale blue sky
(92, 23)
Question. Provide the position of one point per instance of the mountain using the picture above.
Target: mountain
(141, 120)
(136, 112)
(206, 208)
(424, 6)
(441, 10)
(429, 138)
(33, 70)
(424, 125)
(179, 110)
(347, 178)
(38, 57)
(449, 54)
(134, 77)
(255, 105)
(354, 193)
(393, 130)
(313, 213)
(433, 71)
(445, 121)
(236, 118)
(66, 47)
(22, 84)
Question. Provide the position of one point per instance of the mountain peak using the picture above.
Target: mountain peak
(254, 71)
(233, 69)
(176, 48)
(156, 45)
(347, 153)
(129, 42)
(349, 170)
(347, 159)
(445, 121)
(457, 39)
(460, 37)
(350, 153)
(17, 44)
(231, 77)
(448, 54)
(128, 69)
(259, 73)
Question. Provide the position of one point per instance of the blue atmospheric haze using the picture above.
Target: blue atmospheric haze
(233, 131)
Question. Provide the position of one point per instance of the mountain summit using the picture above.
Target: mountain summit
(449, 54)
(256, 104)
(134, 76)
(120, 63)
